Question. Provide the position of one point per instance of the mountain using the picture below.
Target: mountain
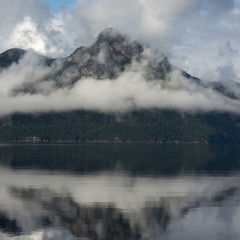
(111, 51)
(108, 58)
(15, 55)
(11, 56)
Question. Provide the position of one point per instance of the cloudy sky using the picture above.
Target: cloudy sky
(200, 36)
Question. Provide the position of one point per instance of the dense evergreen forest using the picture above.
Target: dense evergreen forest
(138, 126)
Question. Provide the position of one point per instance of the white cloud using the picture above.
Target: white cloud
(200, 36)
(127, 92)
(193, 30)
(26, 34)
(31, 24)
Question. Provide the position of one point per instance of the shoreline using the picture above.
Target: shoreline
(109, 142)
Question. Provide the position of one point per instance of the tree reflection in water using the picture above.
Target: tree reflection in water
(118, 192)
(103, 222)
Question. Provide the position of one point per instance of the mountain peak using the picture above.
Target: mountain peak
(110, 52)
(119, 42)
(11, 56)
(110, 34)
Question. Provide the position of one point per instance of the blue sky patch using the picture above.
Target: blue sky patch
(56, 4)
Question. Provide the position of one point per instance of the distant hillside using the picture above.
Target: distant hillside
(141, 126)
(107, 58)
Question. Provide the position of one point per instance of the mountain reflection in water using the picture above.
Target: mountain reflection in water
(118, 191)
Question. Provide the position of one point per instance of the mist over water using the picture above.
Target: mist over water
(119, 191)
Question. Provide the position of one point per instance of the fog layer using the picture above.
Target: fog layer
(132, 89)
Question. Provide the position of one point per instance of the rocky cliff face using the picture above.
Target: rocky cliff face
(106, 58)
(109, 48)
(111, 54)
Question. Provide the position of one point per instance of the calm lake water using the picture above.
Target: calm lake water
(119, 191)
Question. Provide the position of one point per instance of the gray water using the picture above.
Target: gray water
(119, 191)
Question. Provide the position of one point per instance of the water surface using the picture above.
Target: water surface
(119, 191)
